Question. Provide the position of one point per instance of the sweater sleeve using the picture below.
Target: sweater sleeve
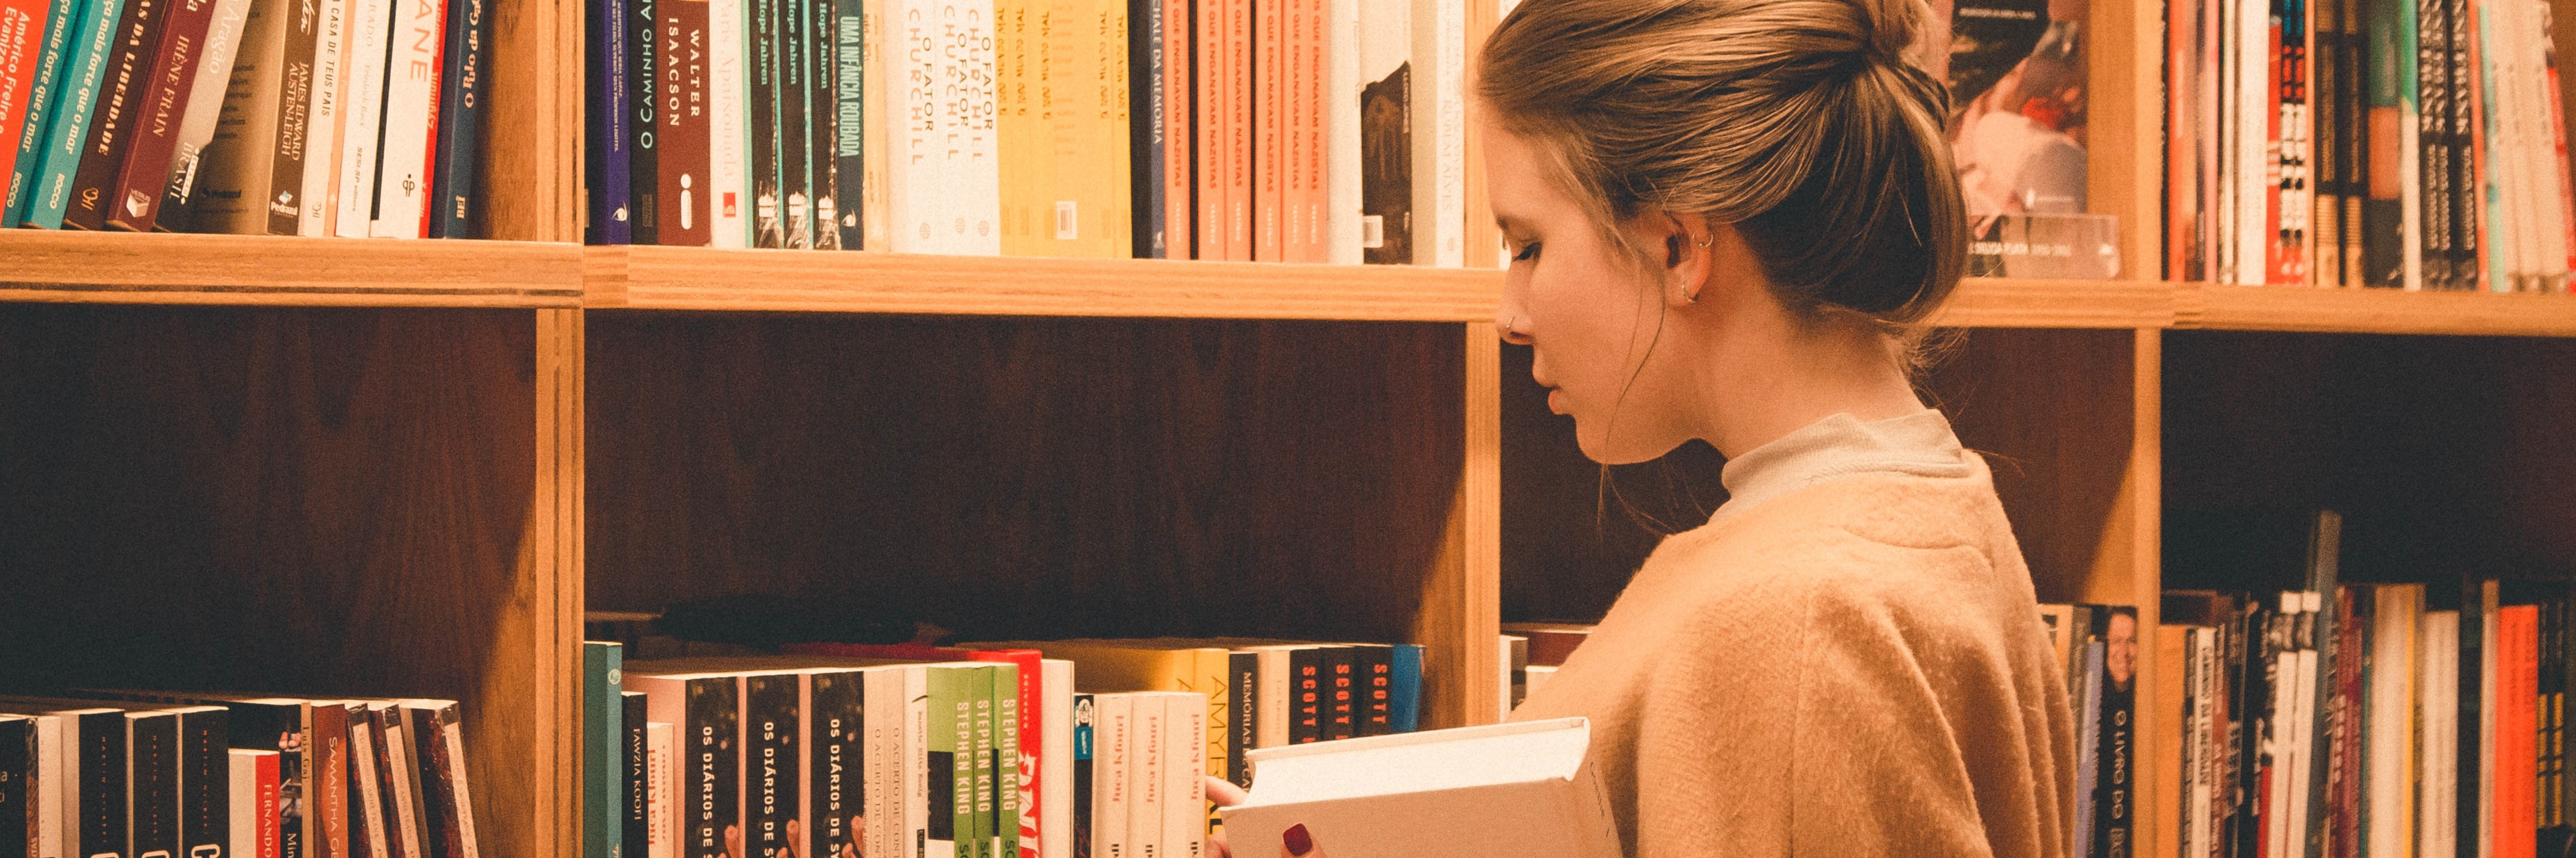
(1875, 762)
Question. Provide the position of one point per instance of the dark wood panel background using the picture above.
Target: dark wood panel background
(1027, 478)
(324, 501)
(2446, 455)
(2051, 410)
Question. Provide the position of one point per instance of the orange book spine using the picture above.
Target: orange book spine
(2517, 767)
(1207, 106)
(2171, 695)
(1310, 99)
(1292, 130)
(1236, 157)
(1269, 161)
(1178, 129)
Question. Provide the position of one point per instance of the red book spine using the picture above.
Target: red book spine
(2344, 777)
(265, 793)
(2276, 257)
(1178, 131)
(2181, 215)
(1311, 100)
(1208, 109)
(1032, 737)
(1269, 156)
(429, 162)
(22, 39)
(134, 201)
(2517, 758)
(1237, 155)
(682, 211)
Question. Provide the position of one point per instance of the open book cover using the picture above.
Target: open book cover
(1506, 789)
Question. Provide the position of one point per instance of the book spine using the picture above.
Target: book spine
(1147, 778)
(2433, 151)
(711, 798)
(1270, 83)
(43, 103)
(19, 775)
(883, 75)
(367, 827)
(728, 200)
(766, 68)
(647, 89)
(362, 112)
(197, 122)
(1308, 670)
(2353, 136)
(323, 137)
(401, 784)
(296, 88)
(1311, 100)
(1243, 699)
(1113, 776)
(455, 208)
(947, 762)
(1208, 113)
(770, 746)
(681, 145)
(1011, 791)
(1107, 215)
(795, 76)
(411, 119)
(1085, 745)
(984, 747)
(334, 808)
(22, 40)
(1237, 155)
(1341, 121)
(241, 769)
(1184, 791)
(2323, 68)
(86, 68)
(603, 724)
(883, 797)
(421, 735)
(1341, 693)
(1149, 127)
(822, 121)
(2562, 266)
(1386, 134)
(2113, 817)
(837, 760)
(850, 127)
(1405, 716)
(635, 823)
(1374, 669)
(153, 783)
(2460, 131)
(1027, 142)
(2517, 723)
(2383, 211)
(205, 783)
(132, 196)
(132, 57)
(661, 792)
(607, 100)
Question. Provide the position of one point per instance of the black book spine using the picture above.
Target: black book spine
(795, 76)
(1306, 690)
(2254, 704)
(644, 79)
(2112, 816)
(2433, 126)
(1376, 673)
(633, 791)
(99, 784)
(1386, 169)
(711, 794)
(2464, 206)
(1243, 700)
(823, 117)
(18, 785)
(1341, 694)
(1085, 741)
(761, 117)
(838, 745)
(770, 747)
(604, 145)
(455, 205)
(153, 780)
(2472, 708)
(205, 783)
(1149, 161)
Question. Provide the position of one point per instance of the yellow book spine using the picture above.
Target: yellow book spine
(1107, 202)
(1027, 171)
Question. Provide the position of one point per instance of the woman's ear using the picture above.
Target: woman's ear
(1689, 256)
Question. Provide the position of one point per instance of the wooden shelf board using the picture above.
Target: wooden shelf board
(2382, 311)
(678, 278)
(1991, 302)
(126, 268)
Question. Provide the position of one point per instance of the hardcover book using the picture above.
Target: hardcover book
(682, 153)
(1506, 789)
(132, 55)
(196, 125)
(49, 57)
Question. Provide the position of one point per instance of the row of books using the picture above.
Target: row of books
(351, 118)
(1291, 131)
(2417, 144)
(125, 774)
(868, 748)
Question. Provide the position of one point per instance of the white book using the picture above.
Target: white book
(1272, 697)
(2390, 696)
(2548, 224)
(1519, 789)
(2253, 161)
(362, 117)
(2488, 599)
(1439, 132)
(2439, 664)
(243, 807)
(362, 762)
(945, 192)
(1185, 804)
(405, 779)
(206, 97)
(2310, 723)
(411, 114)
(882, 790)
(1055, 772)
(1147, 787)
(661, 790)
(1113, 761)
(2282, 744)
(322, 118)
(1342, 132)
(728, 140)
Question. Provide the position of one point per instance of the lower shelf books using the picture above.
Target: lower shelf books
(2098, 646)
(129, 773)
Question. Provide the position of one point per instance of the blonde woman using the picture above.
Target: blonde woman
(1728, 218)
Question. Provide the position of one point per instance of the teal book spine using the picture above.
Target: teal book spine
(1404, 713)
(40, 105)
(1005, 761)
(603, 770)
(84, 67)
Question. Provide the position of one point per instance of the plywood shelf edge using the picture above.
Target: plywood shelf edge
(125, 268)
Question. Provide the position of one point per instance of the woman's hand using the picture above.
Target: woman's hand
(1293, 843)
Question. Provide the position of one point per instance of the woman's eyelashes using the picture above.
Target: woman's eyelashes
(1529, 252)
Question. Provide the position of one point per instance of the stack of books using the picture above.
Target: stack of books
(1299, 131)
(2398, 143)
(351, 118)
(135, 773)
(976, 750)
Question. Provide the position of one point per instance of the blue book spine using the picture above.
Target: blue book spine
(84, 67)
(455, 212)
(40, 106)
(606, 107)
(1148, 155)
(603, 737)
(1405, 710)
(643, 94)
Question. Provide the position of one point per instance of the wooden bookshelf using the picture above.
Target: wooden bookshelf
(160, 268)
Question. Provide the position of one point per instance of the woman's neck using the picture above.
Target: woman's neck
(1769, 380)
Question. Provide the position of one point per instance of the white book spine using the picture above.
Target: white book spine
(1055, 772)
(362, 762)
(946, 182)
(2545, 223)
(2439, 664)
(1148, 755)
(727, 135)
(916, 756)
(322, 119)
(661, 788)
(1439, 132)
(242, 802)
(411, 117)
(206, 95)
(362, 117)
(53, 770)
(398, 751)
(1113, 780)
(1342, 133)
(1273, 699)
(882, 718)
(461, 788)
(2255, 170)
(1184, 759)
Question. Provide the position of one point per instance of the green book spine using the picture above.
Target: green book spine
(949, 762)
(982, 689)
(603, 726)
(28, 164)
(83, 69)
(1005, 760)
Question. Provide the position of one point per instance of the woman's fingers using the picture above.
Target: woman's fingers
(1215, 847)
(1223, 792)
(1297, 842)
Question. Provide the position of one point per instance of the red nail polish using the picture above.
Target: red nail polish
(1297, 840)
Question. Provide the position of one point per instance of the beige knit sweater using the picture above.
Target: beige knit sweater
(1850, 665)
